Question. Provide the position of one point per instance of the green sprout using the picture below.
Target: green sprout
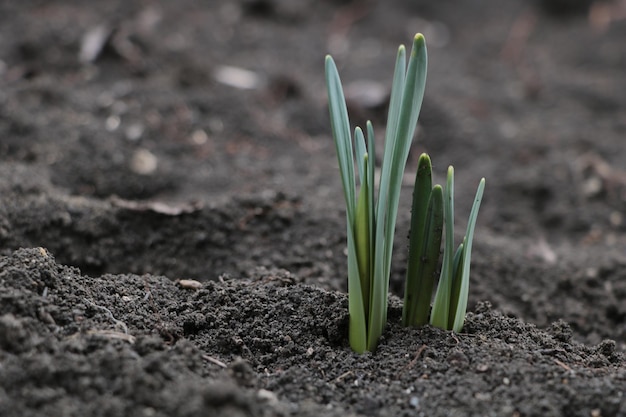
(371, 218)
(452, 292)
(431, 208)
(424, 245)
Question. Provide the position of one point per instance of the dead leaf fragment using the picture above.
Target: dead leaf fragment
(190, 284)
(237, 77)
(157, 207)
(93, 43)
(112, 334)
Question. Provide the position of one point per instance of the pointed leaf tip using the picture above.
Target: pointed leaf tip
(419, 45)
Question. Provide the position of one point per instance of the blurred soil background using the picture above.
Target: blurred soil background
(143, 143)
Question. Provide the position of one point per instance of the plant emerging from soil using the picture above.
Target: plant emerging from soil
(371, 218)
(432, 207)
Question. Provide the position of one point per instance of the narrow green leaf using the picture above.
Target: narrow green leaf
(412, 96)
(461, 309)
(395, 101)
(457, 278)
(379, 290)
(340, 125)
(362, 236)
(371, 146)
(360, 150)
(378, 302)
(357, 327)
(441, 305)
(371, 151)
(422, 266)
(419, 216)
(341, 133)
(401, 137)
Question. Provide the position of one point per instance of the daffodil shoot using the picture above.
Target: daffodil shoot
(371, 213)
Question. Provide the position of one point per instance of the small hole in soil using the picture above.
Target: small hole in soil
(261, 8)
(616, 316)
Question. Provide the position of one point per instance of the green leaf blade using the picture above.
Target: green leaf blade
(357, 327)
(362, 237)
(441, 307)
(412, 96)
(424, 245)
(457, 279)
(395, 101)
(461, 308)
(425, 276)
(340, 126)
(361, 151)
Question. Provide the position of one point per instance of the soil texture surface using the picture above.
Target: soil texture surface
(172, 226)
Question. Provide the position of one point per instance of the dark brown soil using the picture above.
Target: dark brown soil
(134, 158)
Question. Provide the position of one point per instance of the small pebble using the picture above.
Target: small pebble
(134, 132)
(144, 162)
(190, 284)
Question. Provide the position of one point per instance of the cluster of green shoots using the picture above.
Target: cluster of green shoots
(371, 217)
